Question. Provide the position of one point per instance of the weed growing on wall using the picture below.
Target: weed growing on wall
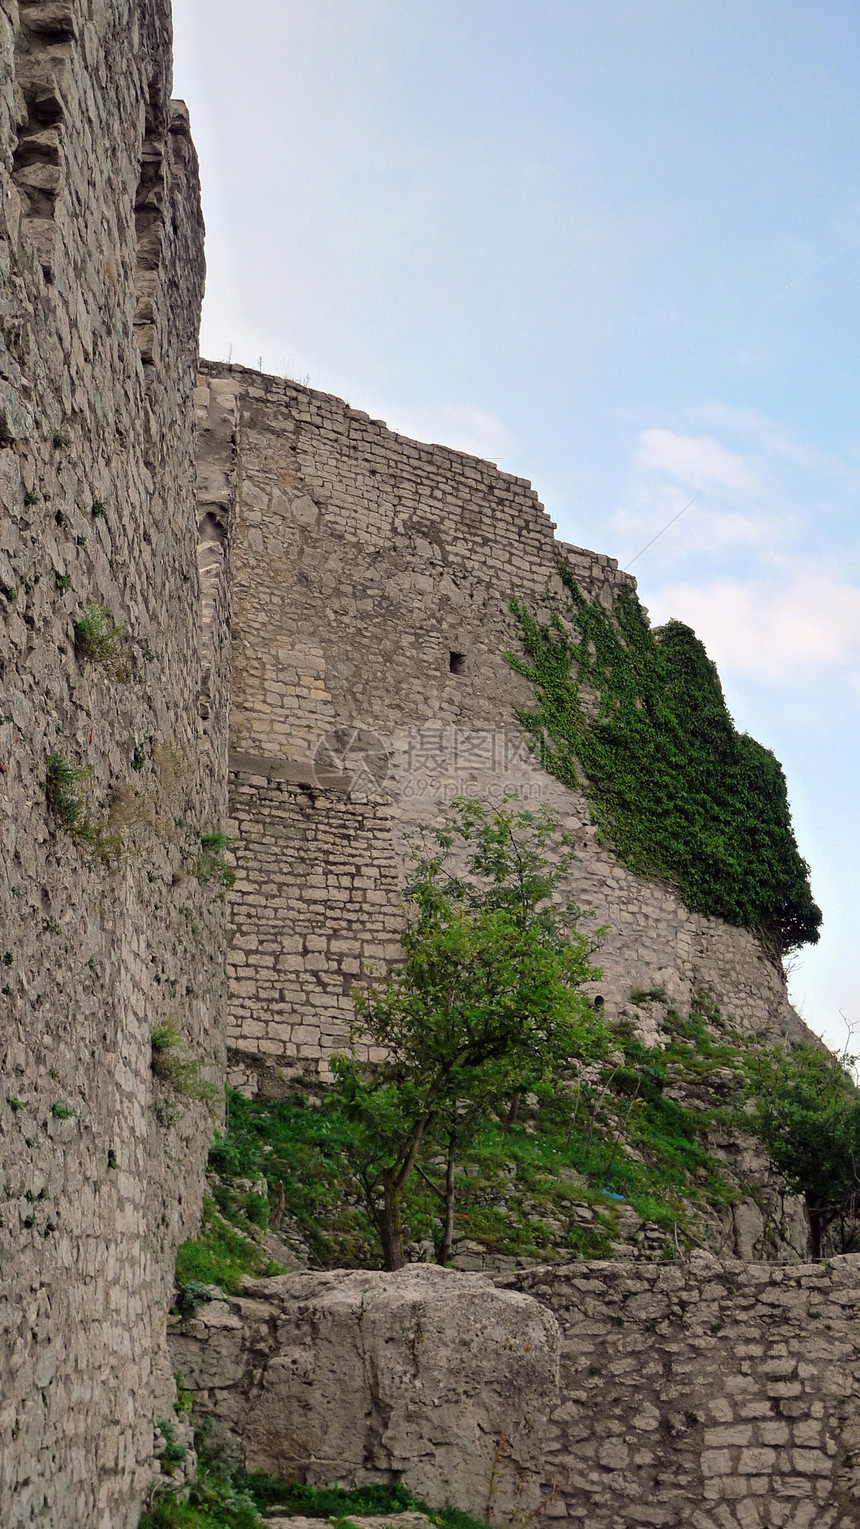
(100, 641)
(64, 790)
(184, 1075)
(211, 866)
(637, 719)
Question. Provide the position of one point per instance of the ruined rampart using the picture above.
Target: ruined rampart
(370, 625)
(704, 1395)
(373, 576)
(108, 930)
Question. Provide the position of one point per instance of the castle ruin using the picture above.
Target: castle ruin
(164, 520)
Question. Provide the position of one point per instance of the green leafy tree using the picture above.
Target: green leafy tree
(806, 1109)
(485, 1003)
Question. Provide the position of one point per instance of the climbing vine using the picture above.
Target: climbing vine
(637, 719)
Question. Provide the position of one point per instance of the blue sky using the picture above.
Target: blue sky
(615, 245)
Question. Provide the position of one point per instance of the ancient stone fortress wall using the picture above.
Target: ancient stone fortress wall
(108, 933)
(373, 577)
(700, 1395)
(712, 1395)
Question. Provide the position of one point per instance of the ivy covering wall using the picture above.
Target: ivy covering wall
(637, 719)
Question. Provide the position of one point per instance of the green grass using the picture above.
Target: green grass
(521, 1191)
(633, 1132)
(223, 1500)
(215, 1502)
(222, 1255)
(338, 1502)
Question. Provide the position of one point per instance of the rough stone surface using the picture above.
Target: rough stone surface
(430, 1377)
(372, 577)
(101, 273)
(706, 1395)
(372, 584)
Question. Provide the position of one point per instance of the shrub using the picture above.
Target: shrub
(99, 640)
(65, 798)
(805, 1107)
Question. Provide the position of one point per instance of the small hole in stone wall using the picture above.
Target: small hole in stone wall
(599, 1001)
(457, 663)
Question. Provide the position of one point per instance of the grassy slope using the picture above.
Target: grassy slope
(562, 1182)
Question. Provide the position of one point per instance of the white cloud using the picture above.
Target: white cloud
(775, 631)
(754, 491)
(697, 461)
(700, 529)
(462, 426)
(769, 438)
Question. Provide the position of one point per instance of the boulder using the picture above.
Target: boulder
(427, 1376)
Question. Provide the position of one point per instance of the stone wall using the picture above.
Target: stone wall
(710, 1395)
(111, 930)
(318, 881)
(372, 583)
(704, 1395)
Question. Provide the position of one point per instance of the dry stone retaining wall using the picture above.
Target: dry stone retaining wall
(372, 584)
(101, 273)
(710, 1394)
(704, 1395)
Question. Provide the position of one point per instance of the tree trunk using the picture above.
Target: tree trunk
(389, 1219)
(390, 1224)
(448, 1234)
(816, 1227)
(513, 1112)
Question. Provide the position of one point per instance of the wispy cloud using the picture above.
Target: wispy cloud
(758, 493)
(699, 462)
(463, 426)
(775, 629)
(703, 530)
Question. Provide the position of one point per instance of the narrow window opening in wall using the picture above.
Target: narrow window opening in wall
(457, 663)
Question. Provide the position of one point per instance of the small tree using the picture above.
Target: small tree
(806, 1109)
(486, 1001)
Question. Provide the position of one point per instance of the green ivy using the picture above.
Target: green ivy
(637, 719)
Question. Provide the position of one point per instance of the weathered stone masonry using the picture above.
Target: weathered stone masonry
(715, 1395)
(705, 1395)
(372, 580)
(372, 584)
(101, 274)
